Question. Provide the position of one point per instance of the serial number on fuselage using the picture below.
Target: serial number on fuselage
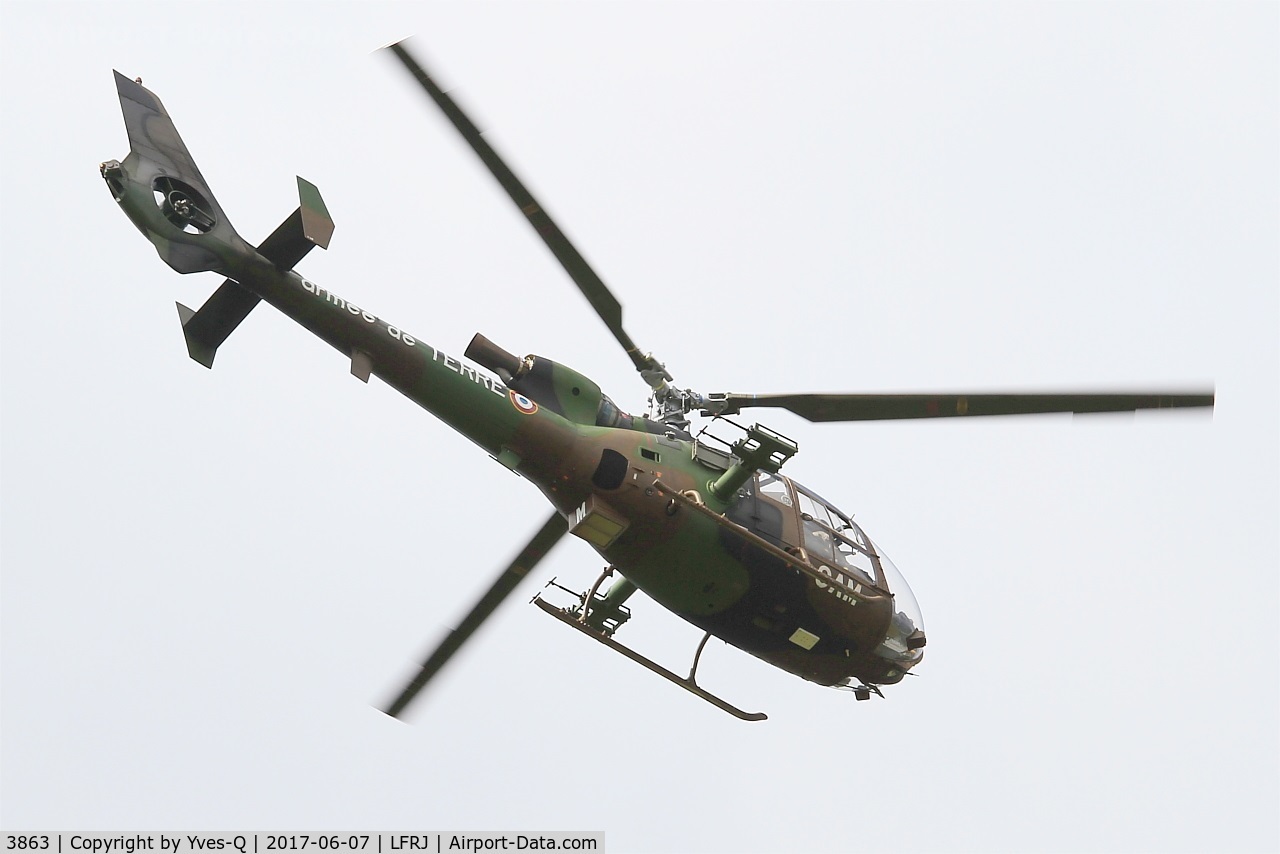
(455, 365)
(842, 583)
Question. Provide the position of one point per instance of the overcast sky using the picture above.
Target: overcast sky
(212, 578)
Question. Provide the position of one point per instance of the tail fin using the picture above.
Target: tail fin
(162, 191)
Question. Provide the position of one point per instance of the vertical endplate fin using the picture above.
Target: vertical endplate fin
(317, 225)
(206, 329)
(310, 225)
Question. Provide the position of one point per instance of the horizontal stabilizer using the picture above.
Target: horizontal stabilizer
(310, 225)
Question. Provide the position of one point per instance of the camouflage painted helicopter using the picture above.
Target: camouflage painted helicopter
(710, 530)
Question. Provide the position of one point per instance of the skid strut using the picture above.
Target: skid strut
(568, 618)
(693, 671)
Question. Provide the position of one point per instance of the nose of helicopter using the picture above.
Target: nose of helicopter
(903, 645)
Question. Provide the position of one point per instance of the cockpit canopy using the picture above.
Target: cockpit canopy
(791, 516)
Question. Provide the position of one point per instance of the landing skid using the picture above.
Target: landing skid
(569, 618)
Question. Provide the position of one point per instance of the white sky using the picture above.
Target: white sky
(210, 579)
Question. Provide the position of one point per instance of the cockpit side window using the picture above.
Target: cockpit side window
(812, 511)
(775, 487)
(776, 509)
(763, 518)
(849, 556)
(832, 537)
(817, 529)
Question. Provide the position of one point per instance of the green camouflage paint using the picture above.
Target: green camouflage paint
(599, 467)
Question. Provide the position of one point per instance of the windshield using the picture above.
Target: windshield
(907, 619)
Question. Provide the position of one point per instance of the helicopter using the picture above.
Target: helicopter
(710, 529)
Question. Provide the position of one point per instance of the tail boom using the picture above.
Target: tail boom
(163, 193)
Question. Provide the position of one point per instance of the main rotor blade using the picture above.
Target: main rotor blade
(536, 550)
(591, 285)
(888, 407)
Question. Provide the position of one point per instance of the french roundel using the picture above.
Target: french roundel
(522, 403)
